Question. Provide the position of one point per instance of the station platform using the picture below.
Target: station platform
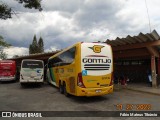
(139, 87)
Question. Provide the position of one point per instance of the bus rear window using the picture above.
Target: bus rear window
(32, 64)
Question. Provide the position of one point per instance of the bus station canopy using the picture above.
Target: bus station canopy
(142, 45)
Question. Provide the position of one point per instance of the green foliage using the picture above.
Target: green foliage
(30, 49)
(36, 4)
(5, 11)
(36, 47)
(34, 43)
(41, 45)
(3, 44)
(3, 55)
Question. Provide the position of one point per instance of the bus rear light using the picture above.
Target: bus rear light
(41, 76)
(80, 80)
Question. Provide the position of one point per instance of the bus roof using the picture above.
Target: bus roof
(71, 47)
(64, 50)
(31, 60)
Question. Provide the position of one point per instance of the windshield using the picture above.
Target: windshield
(32, 64)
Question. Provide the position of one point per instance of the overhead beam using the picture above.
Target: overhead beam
(153, 51)
(136, 45)
(131, 53)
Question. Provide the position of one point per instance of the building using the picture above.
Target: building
(134, 57)
(137, 57)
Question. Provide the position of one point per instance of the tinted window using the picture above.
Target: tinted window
(63, 59)
(32, 64)
(68, 56)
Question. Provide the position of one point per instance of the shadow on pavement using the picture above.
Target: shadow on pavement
(84, 100)
(8, 82)
(33, 85)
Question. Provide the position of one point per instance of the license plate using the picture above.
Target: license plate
(98, 91)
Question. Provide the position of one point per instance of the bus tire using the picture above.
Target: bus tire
(65, 90)
(61, 90)
(22, 84)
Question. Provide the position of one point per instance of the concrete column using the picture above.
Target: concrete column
(158, 76)
(153, 72)
(158, 60)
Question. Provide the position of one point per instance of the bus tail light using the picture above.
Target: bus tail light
(21, 76)
(80, 80)
(41, 76)
(111, 83)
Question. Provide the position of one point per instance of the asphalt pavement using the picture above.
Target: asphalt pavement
(13, 97)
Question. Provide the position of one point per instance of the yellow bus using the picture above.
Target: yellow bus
(84, 69)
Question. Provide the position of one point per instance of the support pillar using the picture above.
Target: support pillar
(158, 72)
(158, 60)
(153, 72)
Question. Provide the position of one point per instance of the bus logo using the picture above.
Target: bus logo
(96, 48)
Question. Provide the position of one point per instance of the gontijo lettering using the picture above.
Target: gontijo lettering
(90, 60)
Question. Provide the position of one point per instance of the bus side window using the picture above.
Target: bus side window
(65, 58)
(68, 56)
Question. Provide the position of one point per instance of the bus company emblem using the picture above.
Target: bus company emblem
(96, 48)
(38, 71)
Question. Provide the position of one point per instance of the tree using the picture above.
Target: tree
(3, 55)
(40, 45)
(33, 48)
(36, 47)
(7, 12)
(3, 44)
(36, 4)
(30, 49)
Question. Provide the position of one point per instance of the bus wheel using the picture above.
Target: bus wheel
(61, 90)
(65, 90)
(22, 84)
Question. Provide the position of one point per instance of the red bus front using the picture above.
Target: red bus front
(7, 70)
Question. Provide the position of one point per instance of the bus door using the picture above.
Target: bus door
(52, 75)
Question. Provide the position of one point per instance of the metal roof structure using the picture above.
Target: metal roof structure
(38, 56)
(141, 38)
(41, 56)
(141, 45)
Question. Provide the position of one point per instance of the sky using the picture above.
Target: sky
(63, 23)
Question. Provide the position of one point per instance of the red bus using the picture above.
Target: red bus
(7, 70)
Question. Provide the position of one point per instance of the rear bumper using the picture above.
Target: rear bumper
(31, 81)
(94, 91)
(7, 78)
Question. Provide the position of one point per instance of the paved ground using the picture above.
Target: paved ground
(141, 87)
(47, 98)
